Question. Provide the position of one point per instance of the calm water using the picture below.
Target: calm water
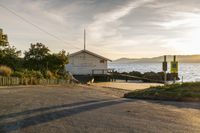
(189, 71)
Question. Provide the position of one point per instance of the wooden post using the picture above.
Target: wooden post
(182, 79)
(165, 69)
(174, 73)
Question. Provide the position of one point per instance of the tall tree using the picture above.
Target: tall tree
(36, 57)
(9, 55)
(39, 58)
(3, 39)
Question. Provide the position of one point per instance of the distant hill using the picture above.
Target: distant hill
(180, 58)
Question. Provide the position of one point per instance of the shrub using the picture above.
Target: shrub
(49, 75)
(153, 75)
(63, 74)
(37, 74)
(5, 71)
(135, 73)
(18, 74)
(32, 74)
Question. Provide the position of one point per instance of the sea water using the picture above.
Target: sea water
(189, 71)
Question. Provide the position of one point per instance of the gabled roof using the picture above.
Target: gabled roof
(90, 53)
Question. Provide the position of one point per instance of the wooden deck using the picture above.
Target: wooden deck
(106, 75)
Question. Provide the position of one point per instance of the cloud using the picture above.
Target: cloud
(115, 28)
(105, 24)
(181, 20)
(52, 20)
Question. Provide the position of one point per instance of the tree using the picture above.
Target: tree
(39, 58)
(3, 39)
(36, 57)
(57, 62)
(9, 55)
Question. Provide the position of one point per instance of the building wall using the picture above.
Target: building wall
(83, 64)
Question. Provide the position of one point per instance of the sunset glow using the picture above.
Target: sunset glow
(128, 28)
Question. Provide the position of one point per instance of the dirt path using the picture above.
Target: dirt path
(83, 109)
(126, 86)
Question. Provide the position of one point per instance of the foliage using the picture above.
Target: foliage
(57, 62)
(3, 39)
(33, 74)
(5, 71)
(38, 62)
(35, 58)
(2, 43)
(63, 74)
(17, 74)
(135, 73)
(9, 56)
(28, 74)
(153, 76)
(39, 58)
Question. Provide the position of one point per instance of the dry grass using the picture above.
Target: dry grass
(5, 71)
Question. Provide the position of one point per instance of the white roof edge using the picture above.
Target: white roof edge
(91, 53)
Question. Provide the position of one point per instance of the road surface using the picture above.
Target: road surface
(81, 109)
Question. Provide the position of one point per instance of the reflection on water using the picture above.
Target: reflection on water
(189, 71)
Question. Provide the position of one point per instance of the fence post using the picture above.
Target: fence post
(1, 81)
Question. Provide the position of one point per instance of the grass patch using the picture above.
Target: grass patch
(175, 92)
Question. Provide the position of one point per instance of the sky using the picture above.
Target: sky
(115, 28)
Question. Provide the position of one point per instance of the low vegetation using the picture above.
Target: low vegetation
(49, 75)
(176, 92)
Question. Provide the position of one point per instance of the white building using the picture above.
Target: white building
(85, 62)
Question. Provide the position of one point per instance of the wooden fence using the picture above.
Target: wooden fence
(11, 81)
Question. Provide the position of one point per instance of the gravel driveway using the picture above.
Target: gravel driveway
(82, 109)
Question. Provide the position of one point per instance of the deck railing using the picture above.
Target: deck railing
(102, 71)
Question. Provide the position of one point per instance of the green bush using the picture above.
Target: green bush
(18, 74)
(5, 71)
(35, 74)
(135, 73)
(153, 76)
(38, 74)
(63, 74)
(32, 74)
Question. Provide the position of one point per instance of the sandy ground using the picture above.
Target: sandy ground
(126, 86)
(83, 109)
